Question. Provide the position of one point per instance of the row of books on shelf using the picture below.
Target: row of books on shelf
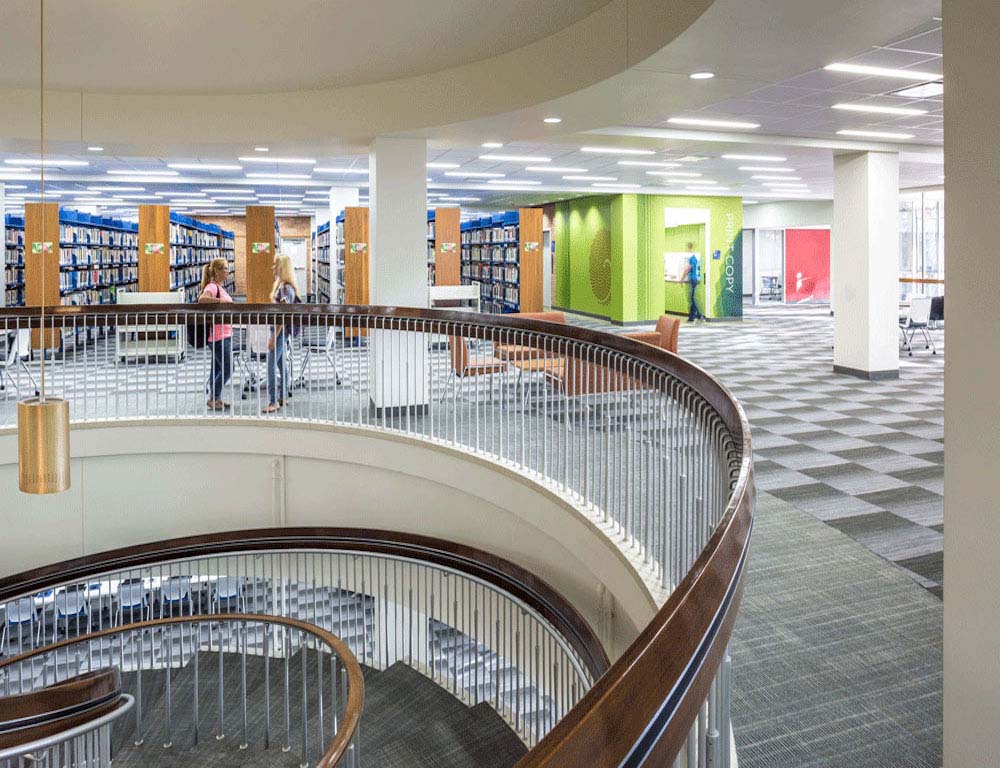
(491, 254)
(484, 273)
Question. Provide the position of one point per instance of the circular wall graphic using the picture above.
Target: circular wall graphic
(600, 266)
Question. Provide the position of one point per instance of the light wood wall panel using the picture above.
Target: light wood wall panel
(447, 247)
(41, 257)
(259, 266)
(356, 255)
(530, 254)
(154, 232)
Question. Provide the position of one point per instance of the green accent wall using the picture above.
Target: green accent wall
(609, 256)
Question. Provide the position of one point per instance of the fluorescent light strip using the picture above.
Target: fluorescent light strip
(590, 178)
(55, 163)
(204, 167)
(491, 145)
(701, 122)
(516, 158)
(880, 110)
(278, 176)
(221, 191)
(616, 151)
(768, 169)
(875, 134)
(703, 190)
(605, 185)
(474, 175)
(776, 185)
(756, 158)
(648, 164)
(674, 174)
(115, 189)
(235, 199)
(864, 69)
(514, 182)
(180, 194)
(444, 166)
(461, 199)
(776, 178)
(139, 197)
(279, 160)
(130, 172)
(554, 169)
(358, 171)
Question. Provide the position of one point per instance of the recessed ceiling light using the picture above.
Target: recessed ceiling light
(674, 174)
(352, 171)
(703, 190)
(443, 166)
(785, 185)
(261, 149)
(876, 134)
(278, 176)
(552, 120)
(129, 172)
(180, 194)
(648, 164)
(204, 167)
(769, 169)
(590, 178)
(777, 178)
(139, 197)
(49, 161)
(491, 145)
(701, 75)
(923, 91)
(699, 182)
(554, 169)
(95, 149)
(111, 189)
(616, 151)
(605, 185)
(240, 199)
(516, 158)
(880, 110)
(701, 122)
(690, 159)
(279, 160)
(749, 202)
(462, 199)
(515, 182)
(756, 158)
(474, 175)
(864, 69)
(225, 191)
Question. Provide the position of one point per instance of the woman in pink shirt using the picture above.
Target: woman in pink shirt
(220, 338)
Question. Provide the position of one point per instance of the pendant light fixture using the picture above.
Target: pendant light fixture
(43, 422)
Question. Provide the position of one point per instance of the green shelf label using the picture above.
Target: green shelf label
(260, 247)
(359, 247)
(39, 248)
(154, 249)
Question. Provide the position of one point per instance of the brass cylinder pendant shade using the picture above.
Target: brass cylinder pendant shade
(43, 445)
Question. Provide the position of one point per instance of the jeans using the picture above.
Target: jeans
(278, 372)
(222, 366)
(694, 313)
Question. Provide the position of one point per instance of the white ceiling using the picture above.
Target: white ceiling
(253, 46)
(797, 122)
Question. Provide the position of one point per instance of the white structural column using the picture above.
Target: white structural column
(3, 238)
(865, 260)
(972, 385)
(341, 198)
(397, 265)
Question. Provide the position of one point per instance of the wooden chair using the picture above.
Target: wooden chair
(465, 365)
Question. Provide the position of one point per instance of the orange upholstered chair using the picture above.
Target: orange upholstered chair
(665, 335)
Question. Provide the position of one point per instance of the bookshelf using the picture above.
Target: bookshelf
(443, 251)
(323, 267)
(98, 257)
(154, 248)
(503, 254)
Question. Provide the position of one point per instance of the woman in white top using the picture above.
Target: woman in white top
(220, 337)
(285, 291)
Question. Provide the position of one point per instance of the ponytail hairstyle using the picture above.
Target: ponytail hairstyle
(210, 272)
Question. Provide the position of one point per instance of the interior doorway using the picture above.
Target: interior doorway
(297, 248)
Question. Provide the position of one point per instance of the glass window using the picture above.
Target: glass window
(921, 243)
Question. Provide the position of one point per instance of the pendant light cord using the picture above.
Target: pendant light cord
(41, 137)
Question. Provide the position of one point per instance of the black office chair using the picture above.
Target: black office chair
(937, 311)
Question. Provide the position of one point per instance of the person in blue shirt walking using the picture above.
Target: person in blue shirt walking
(692, 274)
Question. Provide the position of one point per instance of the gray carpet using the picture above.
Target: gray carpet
(837, 653)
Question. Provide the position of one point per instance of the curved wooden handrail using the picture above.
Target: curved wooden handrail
(644, 706)
(355, 681)
(501, 573)
(27, 717)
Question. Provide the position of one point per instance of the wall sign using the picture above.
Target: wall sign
(154, 249)
(260, 248)
(531, 245)
(359, 247)
(447, 247)
(44, 247)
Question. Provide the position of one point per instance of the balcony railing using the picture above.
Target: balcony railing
(650, 446)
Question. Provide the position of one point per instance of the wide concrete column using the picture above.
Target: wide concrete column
(397, 264)
(865, 260)
(972, 373)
